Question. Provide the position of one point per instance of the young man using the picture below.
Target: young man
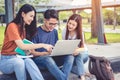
(48, 34)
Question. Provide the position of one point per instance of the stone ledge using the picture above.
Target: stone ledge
(115, 64)
(46, 75)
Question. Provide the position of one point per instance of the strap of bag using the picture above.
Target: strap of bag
(99, 69)
(92, 67)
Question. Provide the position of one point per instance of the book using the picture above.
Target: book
(23, 52)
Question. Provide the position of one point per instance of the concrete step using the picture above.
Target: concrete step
(115, 64)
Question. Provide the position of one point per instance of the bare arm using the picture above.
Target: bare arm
(23, 46)
(36, 53)
(78, 50)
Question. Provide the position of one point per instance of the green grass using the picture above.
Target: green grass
(110, 38)
(88, 38)
(2, 29)
(113, 38)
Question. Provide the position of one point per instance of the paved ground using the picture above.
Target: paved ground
(107, 50)
(106, 30)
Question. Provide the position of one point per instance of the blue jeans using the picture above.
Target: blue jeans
(78, 66)
(49, 63)
(10, 64)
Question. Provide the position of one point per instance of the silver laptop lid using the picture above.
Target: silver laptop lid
(65, 47)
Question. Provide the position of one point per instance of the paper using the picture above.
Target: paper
(29, 56)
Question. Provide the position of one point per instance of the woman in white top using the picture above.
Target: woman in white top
(74, 31)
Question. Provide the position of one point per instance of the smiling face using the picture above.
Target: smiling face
(28, 17)
(50, 24)
(72, 25)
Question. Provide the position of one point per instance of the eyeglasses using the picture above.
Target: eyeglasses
(53, 24)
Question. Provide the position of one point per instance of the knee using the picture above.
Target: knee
(28, 60)
(70, 58)
(19, 62)
(49, 61)
(85, 59)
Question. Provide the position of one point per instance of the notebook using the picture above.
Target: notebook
(23, 52)
(65, 47)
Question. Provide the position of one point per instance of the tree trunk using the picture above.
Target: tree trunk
(115, 16)
(93, 19)
(97, 21)
(8, 10)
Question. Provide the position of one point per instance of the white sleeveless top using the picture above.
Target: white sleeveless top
(73, 38)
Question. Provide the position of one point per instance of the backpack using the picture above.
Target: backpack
(101, 68)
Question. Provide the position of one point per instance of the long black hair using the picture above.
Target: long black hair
(30, 29)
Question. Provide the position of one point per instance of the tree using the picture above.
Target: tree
(2, 8)
(42, 1)
(86, 15)
(64, 15)
(118, 15)
(97, 21)
(108, 16)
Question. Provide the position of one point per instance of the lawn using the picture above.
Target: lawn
(110, 37)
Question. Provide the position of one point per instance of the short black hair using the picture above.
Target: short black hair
(51, 13)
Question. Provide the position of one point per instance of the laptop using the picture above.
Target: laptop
(65, 47)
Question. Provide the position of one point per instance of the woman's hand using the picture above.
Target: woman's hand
(77, 51)
(48, 47)
(36, 53)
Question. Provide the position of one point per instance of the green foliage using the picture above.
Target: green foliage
(108, 16)
(2, 8)
(2, 11)
(40, 18)
(64, 15)
(2, 29)
(2, 1)
(22, 1)
(118, 15)
(44, 1)
(36, 1)
(85, 14)
(33, 1)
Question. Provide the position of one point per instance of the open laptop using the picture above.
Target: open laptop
(65, 47)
